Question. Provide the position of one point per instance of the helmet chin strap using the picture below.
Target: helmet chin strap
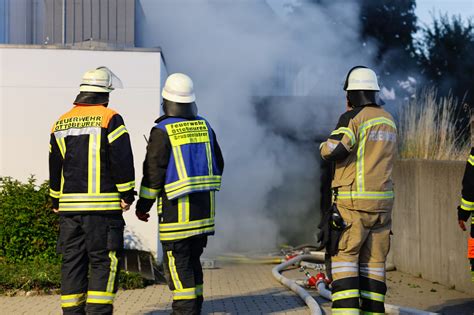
(183, 110)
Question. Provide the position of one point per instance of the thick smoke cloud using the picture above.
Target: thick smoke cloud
(236, 52)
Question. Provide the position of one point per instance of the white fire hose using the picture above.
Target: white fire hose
(291, 284)
(324, 291)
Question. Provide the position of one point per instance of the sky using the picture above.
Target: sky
(424, 8)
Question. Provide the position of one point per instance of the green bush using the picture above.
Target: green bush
(29, 227)
(131, 280)
(28, 258)
(36, 275)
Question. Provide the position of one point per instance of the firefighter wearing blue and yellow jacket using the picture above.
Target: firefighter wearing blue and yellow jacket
(92, 181)
(182, 169)
(363, 147)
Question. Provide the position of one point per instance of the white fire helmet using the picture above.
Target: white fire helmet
(179, 88)
(361, 78)
(101, 79)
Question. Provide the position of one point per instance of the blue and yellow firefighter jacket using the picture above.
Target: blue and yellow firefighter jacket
(182, 169)
(90, 161)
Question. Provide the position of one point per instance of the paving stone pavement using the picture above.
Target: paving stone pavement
(230, 289)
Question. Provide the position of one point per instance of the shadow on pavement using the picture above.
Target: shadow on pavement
(256, 303)
(455, 307)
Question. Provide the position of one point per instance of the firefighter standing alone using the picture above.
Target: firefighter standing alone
(363, 147)
(91, 183)
(182, 169)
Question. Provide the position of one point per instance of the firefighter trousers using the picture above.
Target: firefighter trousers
(183, 272)
(358, 269)
(91, 246)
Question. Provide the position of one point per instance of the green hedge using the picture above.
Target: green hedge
(29, 227)
(28, 258)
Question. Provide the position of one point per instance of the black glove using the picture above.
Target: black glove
(142, 216)
(463, 215)
(128, 196)
(54, 203)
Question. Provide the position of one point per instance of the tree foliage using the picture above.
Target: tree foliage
(446, 56)
(391, 23)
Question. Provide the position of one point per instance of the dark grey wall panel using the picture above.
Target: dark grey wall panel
(21, 21)
(87, 19)
(3, 21)
(111, 22)
(130, 21)
(108, 21)
(78, 21)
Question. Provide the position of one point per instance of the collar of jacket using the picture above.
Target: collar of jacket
(92, 98)
(161, 118)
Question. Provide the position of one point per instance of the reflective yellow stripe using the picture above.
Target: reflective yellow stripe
(372, 296)
(114, 135)
(149, 193)
(94, 163)
(184, 294)
(174, 273)
(192, 181)
(192, 184)
(360, 180)
(160, 206)
(113, 271)
(62, 146)
(89, 206)
(467, 205)
(209, 158)
(347, 132)
(171, 236)
(72, 300)
(370, 195)
(213, 203)
(183, 209)
(100, 297)
(50, 148)
(85, 197)
(54, 193)
(126, 186)
(371, 313)
(179, 161)
(164, 227)
(346, 294)
(100, 293)
(470, 160)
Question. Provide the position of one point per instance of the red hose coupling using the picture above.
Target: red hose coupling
(288, 257)
(311, 282)
(321, 277)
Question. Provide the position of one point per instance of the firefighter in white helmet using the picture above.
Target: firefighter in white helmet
(91, 183)
(363, 148)
(182, 169)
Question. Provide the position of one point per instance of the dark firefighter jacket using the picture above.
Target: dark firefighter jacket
(363, 147)
(182, 168)
(90, 161)
(467, 200)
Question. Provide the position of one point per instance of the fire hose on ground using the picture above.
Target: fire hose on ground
(321, 286)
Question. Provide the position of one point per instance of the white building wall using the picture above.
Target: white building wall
(39, 85)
